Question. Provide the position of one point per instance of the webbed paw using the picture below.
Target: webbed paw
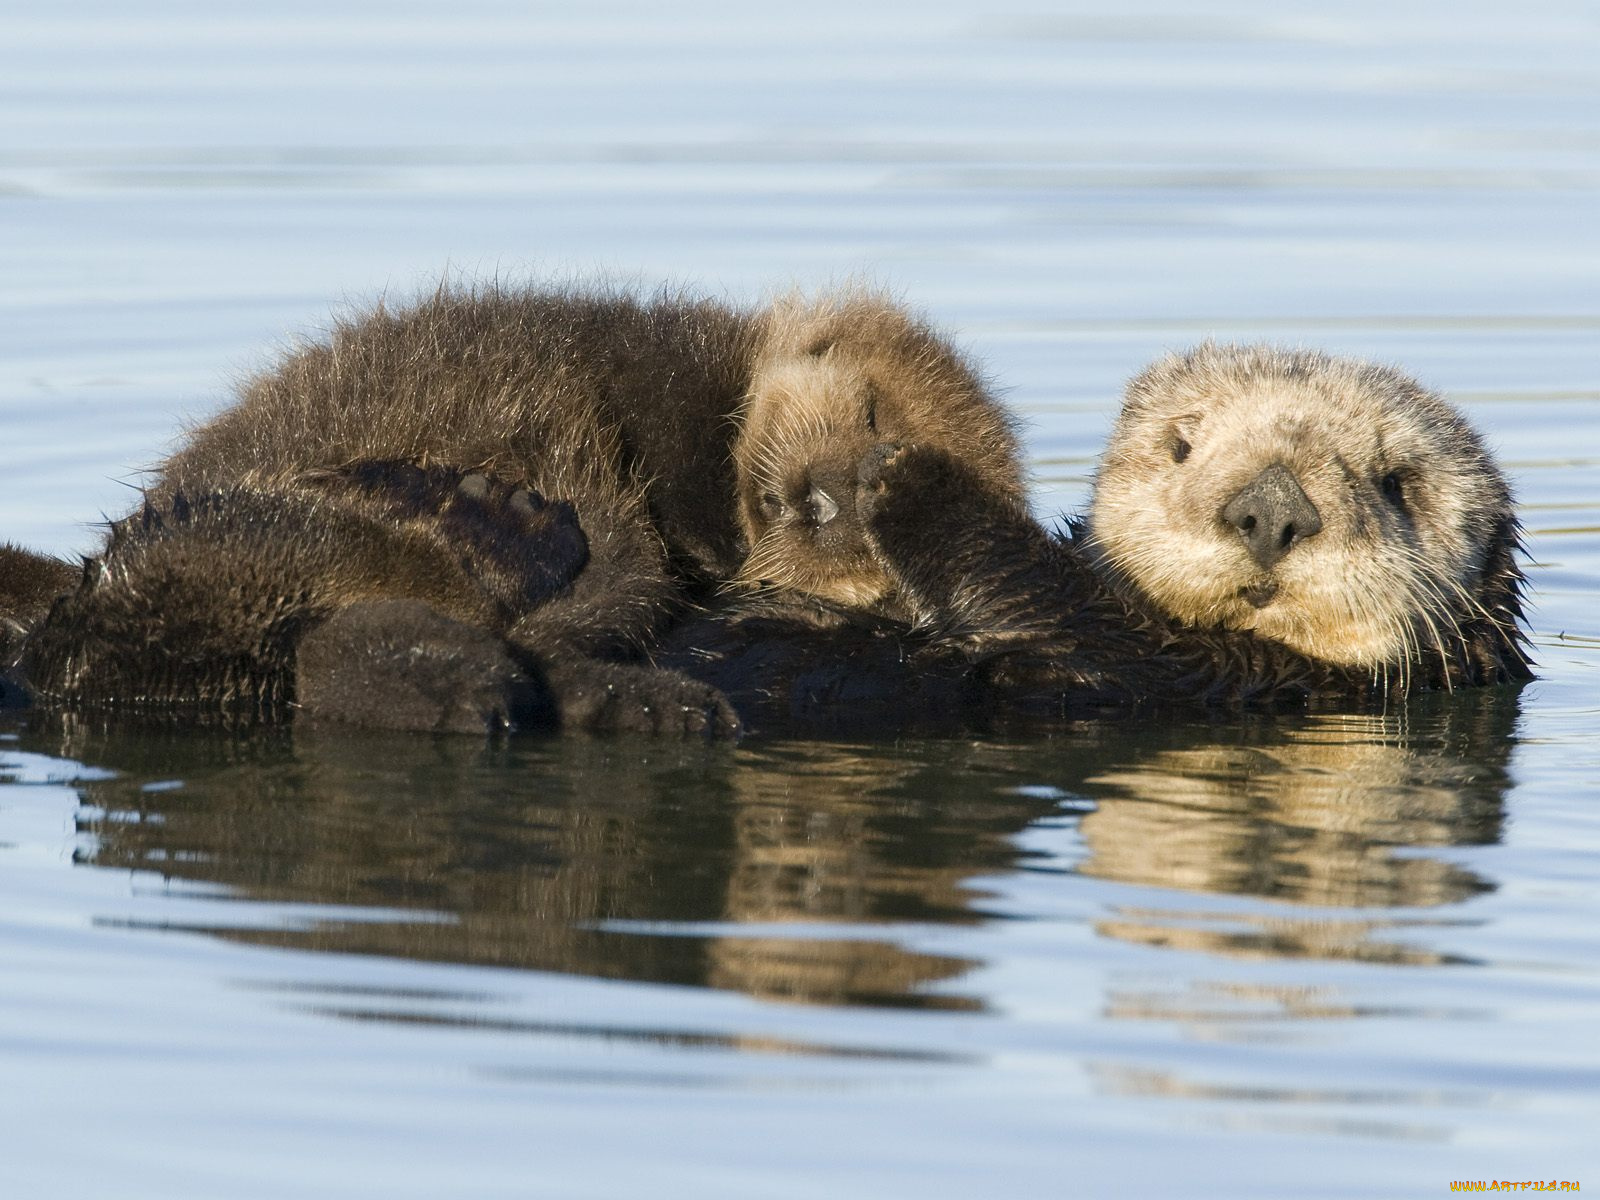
(521, 548)
(397, 664)
(603, 697)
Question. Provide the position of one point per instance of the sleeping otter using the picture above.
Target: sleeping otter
(829, 382)
(395, 475)
(1267, 526)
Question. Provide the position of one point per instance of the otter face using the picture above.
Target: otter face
(1332, 505)
(833, 379)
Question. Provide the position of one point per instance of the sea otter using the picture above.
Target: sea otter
(1007, 616)
(703, 445)
(1267, 527)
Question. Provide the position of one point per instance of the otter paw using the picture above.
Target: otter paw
(875, 474)
(397, 664)
(521, 548)
(902, 485)
(602, 697)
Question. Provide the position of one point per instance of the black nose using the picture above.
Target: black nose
(820, 506)
(1271, 513)
(830, 493)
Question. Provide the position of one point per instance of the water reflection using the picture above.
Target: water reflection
(674, 864)
(798, 871)
(1330, 813)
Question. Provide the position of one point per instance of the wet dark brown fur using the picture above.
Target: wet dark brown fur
(205, 600)
(1008, 618)
(29, 585)
(394, 476)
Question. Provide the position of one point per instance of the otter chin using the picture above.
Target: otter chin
(833, 380)
(1335, 506)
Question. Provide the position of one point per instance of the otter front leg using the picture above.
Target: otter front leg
(969, 563)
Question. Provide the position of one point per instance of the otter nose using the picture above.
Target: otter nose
(1272, 514)
(821, 506)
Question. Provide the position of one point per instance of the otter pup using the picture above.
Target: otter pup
(830, 381)
(404, 459)
(1267, 526)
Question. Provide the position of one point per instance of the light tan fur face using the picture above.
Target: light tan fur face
(835, 377)
(1407, 497)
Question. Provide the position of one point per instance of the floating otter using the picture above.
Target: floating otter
(1291, 485)
(1268, 527)
(394, 476)
(1302, 498)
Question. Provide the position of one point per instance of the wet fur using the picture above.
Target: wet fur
(407, 458)
(29, 584)
(1009, 617)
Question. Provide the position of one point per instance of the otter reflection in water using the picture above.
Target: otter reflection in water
(712, 866)
(1326, 816)
(579, 856)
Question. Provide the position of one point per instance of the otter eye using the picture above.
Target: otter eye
(1393, 488)
(771, 506)
(1180, 449)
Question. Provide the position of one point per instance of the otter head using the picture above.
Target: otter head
(1332, 505)
(834, 377)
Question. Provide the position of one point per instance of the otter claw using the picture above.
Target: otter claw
(876, 463)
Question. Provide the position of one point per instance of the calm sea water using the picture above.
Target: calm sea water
(1343, 956)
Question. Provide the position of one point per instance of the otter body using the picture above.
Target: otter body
(399, 472)
(1341, 535)
(619, 407)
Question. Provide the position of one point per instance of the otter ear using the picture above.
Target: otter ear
(820, 345)
(1180, 436)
